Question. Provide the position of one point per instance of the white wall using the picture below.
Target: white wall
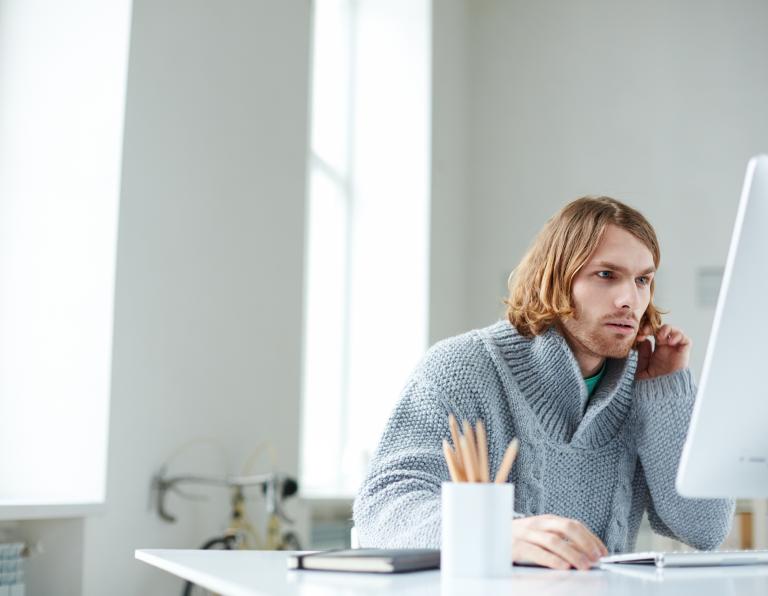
(658, 104)
(55, 566)
(448, 232)
(209, 275)
(208, 306)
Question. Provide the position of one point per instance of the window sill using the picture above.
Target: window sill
(22, 510)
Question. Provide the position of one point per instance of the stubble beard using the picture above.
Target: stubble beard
(599, 342)
(610, 348)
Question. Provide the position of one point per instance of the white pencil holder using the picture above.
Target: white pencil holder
(476, 537)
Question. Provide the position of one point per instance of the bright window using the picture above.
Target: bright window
(62, 91)
(368, 237)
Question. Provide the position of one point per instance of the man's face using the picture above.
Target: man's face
(610, 295)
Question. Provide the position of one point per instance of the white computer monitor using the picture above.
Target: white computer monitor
(726, 450)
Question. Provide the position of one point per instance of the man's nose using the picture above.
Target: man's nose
(627, 297)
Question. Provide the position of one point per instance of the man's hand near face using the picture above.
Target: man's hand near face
(669, 352)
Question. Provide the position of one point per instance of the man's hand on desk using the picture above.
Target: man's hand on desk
(556, 542)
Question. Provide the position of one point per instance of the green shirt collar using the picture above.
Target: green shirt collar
(594, 380)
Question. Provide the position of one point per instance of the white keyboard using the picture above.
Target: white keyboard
(691, 559)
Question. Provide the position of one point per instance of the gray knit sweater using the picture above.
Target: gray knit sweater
(602, 460)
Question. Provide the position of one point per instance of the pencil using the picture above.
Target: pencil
(472, 445)
(482, 447)
(451, 461)
(469, 460)
(506, 463)
(454, 426)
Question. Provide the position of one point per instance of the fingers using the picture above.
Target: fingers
(555, 541)
(644, 355)
(663, 334)
(559, 547)
(576, 533)
(672, 337)
(666, 335)
(644, 333)
(644, 351)
(531, 553)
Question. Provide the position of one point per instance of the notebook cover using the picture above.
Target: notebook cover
(368, 560)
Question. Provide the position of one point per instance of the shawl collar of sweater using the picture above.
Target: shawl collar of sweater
(547, 376)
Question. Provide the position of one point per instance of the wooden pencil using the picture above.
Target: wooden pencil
(482, 447)
(450, 459)
(506, 463)
(454, 426)
(469, 460)
(472, 446)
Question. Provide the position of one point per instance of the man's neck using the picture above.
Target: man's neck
(590, 367)
(589, 362)
(588, 371)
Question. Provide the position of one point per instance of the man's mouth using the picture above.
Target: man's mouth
(623, 327)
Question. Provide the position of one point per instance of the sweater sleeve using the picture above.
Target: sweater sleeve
(663, 408)
(398, 505)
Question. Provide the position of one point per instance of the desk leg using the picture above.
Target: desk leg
(760, 523)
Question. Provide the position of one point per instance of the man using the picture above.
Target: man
(596, 389)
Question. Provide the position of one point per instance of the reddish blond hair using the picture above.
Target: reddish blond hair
(540, 286)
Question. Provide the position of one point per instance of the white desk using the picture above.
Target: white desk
(257, 573)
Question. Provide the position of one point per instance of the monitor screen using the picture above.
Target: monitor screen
(726, 450)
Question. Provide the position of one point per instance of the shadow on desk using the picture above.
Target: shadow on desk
(540, 582)
(651, 573)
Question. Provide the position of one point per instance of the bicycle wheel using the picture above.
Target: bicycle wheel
(225, 542)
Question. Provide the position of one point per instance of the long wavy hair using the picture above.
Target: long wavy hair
(540, 286)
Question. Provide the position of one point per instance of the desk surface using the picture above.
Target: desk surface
(257, 573)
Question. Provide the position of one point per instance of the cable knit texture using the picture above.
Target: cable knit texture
(602, 460)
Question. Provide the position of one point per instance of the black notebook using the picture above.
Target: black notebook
(371, 560)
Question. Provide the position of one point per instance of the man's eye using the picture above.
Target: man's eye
(643, 281)
(605, 274)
